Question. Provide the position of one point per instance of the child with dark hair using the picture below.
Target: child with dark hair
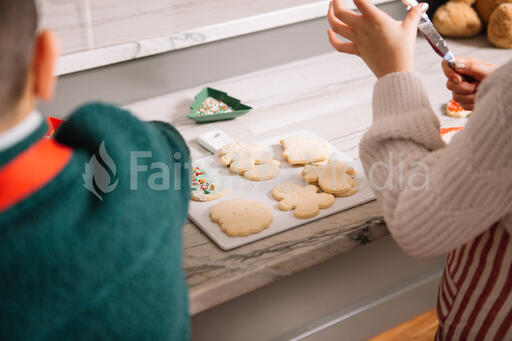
(462, 205)
(90, 230)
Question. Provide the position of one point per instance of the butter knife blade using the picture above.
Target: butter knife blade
(434, 38)
(436, 41)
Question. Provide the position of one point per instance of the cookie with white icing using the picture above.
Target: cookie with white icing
(204, 186)
(241, 217)
(252, 161)
(240, 156)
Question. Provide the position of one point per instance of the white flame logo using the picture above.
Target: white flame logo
(96, 176)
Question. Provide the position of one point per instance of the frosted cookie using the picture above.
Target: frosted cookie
(453, 109)
(305, 201)
(299, 150)
(264, 171)
(205, 187)
(448, 133)
(241, 217)
(240, 157)
(252, 161)
(336, 178)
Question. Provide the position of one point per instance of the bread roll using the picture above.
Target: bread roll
(486, 7)
(499, 30)
(457, 20)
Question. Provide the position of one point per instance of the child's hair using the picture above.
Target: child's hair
(18, 25)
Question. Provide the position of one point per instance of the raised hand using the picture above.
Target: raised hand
(384, 44)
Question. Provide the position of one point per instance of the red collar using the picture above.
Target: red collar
(32, 170)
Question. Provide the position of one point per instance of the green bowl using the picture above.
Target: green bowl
(238, 108)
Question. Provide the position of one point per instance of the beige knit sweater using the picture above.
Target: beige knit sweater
(454, 199)
(436, 197)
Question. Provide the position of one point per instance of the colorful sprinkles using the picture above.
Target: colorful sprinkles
(201, 183)
(454, 106)
(448, 133)
(212, 106)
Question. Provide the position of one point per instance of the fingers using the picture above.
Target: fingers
(462, 92)
(341, 20)
(338, 26)
(466, 101)
(475, 68)
(450, 73)
(343, 14)
(368, 10)
(468, 106)
(341, 46)
(412, 19)
(463, 88)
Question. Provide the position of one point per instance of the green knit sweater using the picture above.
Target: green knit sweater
(73, 267)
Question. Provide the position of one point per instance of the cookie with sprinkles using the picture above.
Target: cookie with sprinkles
(206, 187)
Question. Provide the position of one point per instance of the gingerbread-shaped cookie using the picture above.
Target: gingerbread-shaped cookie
(241, 217)
(264, 171)
(336, 178)
(300, 150)
(305, 201)
(204, 186)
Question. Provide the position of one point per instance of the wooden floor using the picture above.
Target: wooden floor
(420, 328)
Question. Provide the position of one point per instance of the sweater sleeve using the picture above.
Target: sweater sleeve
(437, 197)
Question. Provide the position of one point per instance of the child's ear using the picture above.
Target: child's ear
(45, 57)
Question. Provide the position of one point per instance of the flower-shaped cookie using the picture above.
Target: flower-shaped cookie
(241, 217)
(306, 201)
(337, 178)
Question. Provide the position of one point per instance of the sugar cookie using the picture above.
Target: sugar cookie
(453, 109)
(264, 171)
(204, 186)
(241, 217)
(336, 178)
(448, 133)
(305, 201)
(319, 163)
(299, 150)
(252, 161)
(240, 157)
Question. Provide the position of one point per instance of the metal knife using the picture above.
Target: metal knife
(434, 38)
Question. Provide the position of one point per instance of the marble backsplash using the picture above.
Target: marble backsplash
(91, 24)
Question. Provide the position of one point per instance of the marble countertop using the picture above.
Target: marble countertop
(330, 95)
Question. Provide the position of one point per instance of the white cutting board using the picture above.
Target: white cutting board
(239, 187)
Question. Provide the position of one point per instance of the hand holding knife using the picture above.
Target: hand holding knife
(434, 38)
